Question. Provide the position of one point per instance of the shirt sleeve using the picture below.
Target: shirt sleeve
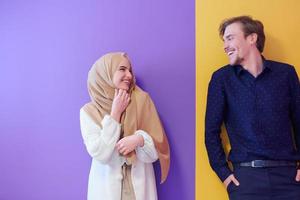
(295, 106)
(146, 153)
(100, 143)
(214, 117)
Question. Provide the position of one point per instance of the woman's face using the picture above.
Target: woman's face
(122, 78)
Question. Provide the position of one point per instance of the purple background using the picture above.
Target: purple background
(46, 50)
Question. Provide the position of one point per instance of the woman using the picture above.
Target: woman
(122, 133)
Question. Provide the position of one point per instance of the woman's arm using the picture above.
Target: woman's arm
(100, 143)
(140, 142)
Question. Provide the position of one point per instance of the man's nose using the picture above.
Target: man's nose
(225, 46)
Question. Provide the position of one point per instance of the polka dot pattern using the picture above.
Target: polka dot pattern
(261, 115)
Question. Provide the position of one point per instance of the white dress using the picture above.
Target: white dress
(105, 179)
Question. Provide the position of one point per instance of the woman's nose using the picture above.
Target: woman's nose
(128, 74)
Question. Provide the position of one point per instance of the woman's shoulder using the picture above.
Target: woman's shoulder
(88, 106)
(86, 119)
(86, 110)
(140, 93)
(82, 110)
(83, 113)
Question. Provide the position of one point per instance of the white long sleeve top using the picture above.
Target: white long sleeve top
(105, 178)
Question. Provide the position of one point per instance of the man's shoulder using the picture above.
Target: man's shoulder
(279, 66)
(223, 71)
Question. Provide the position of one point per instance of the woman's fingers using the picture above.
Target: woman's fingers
(116, 93)
(123, 150)
(123, 146)
(124, 95)
(124, 98)
(120, 145)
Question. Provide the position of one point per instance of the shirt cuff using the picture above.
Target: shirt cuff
(109, 120)
(147, 139)
(223, 173)
(111, 129)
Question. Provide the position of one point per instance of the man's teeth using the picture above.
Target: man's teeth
(230, 53)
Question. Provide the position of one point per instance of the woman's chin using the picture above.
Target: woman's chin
(126, 88)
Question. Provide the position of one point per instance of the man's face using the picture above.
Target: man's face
(236, 45)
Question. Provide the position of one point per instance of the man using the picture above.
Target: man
(259, 102)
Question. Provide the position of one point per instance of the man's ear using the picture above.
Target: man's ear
(252, 38)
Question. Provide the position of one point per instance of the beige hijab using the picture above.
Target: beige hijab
(140, 114)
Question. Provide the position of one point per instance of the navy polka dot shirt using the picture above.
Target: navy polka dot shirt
(261, 115)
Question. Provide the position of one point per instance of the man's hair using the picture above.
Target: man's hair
(249, 26)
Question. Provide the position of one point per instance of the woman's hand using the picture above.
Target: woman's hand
(129, 143)
(119, 104)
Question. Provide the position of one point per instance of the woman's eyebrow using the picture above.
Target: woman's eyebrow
(123, 66)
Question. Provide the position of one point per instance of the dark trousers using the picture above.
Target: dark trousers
(273, 183)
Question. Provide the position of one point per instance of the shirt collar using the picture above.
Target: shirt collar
(266, 66)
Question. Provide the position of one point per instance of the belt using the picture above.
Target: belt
(268, 163)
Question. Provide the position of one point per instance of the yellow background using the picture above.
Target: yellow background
(281, 19)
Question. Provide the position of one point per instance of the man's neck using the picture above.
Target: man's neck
(253, 63)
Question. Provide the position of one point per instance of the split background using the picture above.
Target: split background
(47, 48)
